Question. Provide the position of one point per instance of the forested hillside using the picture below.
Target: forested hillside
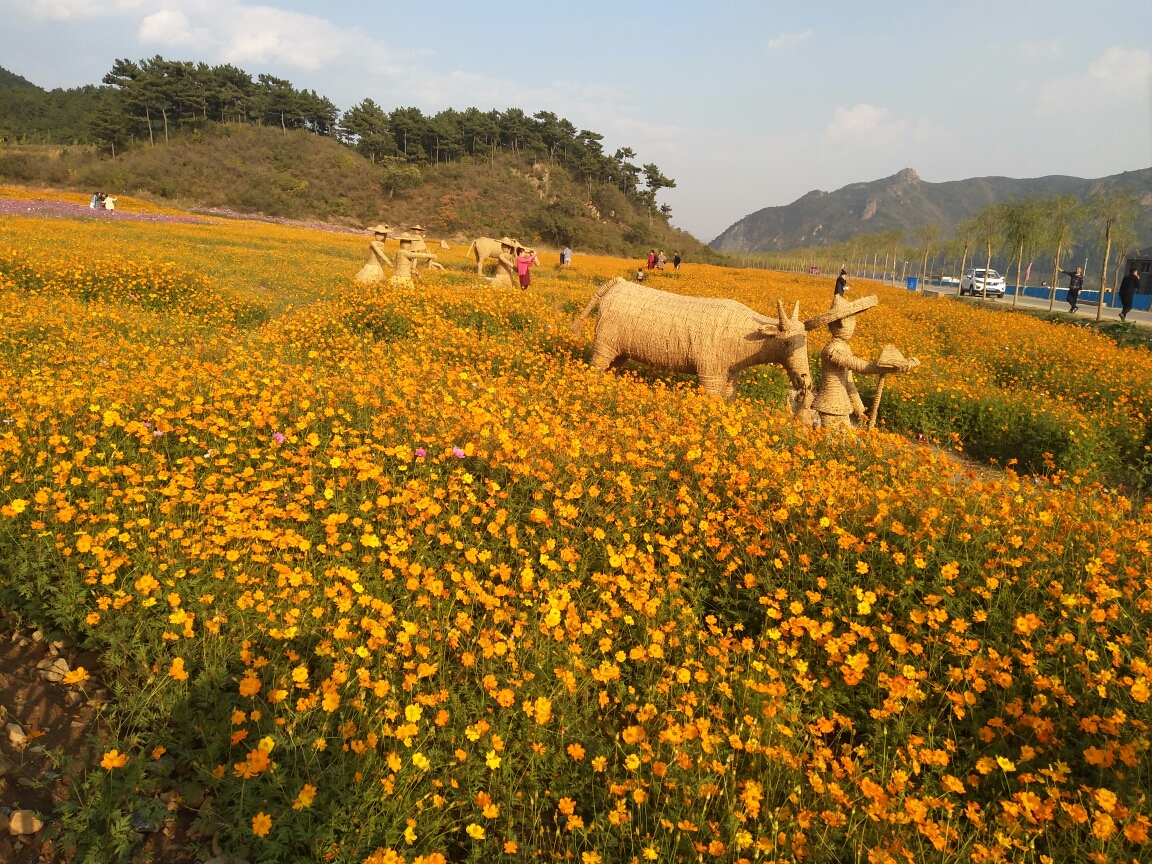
(215, 136)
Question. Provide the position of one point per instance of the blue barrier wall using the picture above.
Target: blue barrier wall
(1141, 301)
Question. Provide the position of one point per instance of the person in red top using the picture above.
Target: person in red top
(526, 259)
(652, 260)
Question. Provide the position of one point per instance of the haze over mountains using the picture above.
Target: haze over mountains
(904, 201)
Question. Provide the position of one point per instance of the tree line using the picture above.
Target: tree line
(150, 100)
(1014, 234)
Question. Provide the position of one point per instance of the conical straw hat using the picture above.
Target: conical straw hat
(840, 310)
(380, 229)
(890, 357)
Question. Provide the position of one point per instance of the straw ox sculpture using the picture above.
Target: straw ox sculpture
(713, 338)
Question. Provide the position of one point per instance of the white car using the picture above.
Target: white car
(975, 284)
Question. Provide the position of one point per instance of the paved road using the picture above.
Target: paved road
(1086, 311)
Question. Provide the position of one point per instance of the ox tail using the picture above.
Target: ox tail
(470, 248)
(596, 297)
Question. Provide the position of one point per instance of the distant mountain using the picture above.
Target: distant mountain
(904, 201)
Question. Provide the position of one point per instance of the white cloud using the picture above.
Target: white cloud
(863, 124)
(787, 40)
(264, 34)
(1119, 77)
(71, 9)
(238, 33)
(170, 27)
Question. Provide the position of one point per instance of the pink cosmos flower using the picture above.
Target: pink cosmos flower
(457, 452)
(421, 452)
(278, 437)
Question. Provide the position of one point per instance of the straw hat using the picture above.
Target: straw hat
(404, 235)
(380, 229)
(840, 310)
(508, 241)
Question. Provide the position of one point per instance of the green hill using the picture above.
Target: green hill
(299, 175)
(204, 136)
(905, 202)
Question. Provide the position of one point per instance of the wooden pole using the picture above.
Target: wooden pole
(876, 401)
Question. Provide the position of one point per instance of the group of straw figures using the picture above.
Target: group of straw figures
(413, 252)
(712, 338)
(717, 339)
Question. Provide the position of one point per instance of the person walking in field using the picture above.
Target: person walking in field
(661, 261)
(676, 261)
(1075, 283)
(526, 259)
(652, 259)
(841, 283)
(1129, 288)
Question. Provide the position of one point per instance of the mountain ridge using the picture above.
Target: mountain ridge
(905, 201)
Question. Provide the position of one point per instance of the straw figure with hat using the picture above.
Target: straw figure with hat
(373, 269)
(837, 400)
(419, 245)
(407, 257)
(506, 275)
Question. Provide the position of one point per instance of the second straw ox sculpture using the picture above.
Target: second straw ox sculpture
(713, 338)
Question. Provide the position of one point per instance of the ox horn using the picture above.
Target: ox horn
(796, 311)
(783, 317)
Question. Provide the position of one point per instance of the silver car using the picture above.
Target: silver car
(975, 284)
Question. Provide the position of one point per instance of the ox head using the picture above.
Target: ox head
(788, 342)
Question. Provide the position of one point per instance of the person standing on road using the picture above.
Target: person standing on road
(841, 283)
(1129, 288)
(1075, 283)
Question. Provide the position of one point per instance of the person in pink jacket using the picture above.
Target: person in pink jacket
(526, 259)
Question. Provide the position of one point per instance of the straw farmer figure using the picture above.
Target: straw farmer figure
(838, 401)
(506, 274)
(419, 245)
(406, 259)
(373, 269)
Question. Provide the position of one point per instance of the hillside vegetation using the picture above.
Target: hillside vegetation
(31, 114)
(298, 175)
(214, 136)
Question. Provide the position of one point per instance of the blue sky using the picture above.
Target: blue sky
(746, 105)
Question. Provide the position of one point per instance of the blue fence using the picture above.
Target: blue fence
(1143, 302)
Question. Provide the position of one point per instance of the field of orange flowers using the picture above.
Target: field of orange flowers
(396, 578)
